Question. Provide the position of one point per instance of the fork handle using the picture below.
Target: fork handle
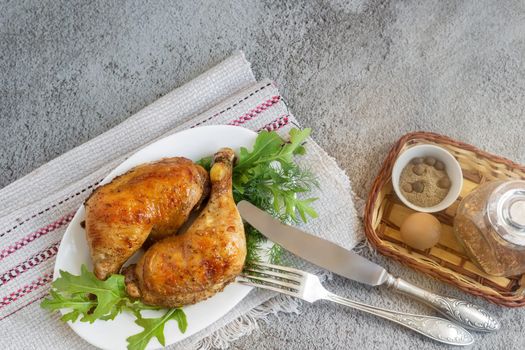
(468, 315)
(435, 328)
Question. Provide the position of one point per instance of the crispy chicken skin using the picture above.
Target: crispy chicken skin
(153, 199)
(193, 266)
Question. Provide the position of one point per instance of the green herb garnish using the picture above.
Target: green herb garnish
(154, 328)
(87, 296)
(269, 178)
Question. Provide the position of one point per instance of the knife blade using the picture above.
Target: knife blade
(348, 264)
(316, 250)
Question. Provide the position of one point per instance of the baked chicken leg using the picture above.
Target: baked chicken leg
(200, 262)
(151, 199)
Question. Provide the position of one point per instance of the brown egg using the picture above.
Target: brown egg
(421, 231)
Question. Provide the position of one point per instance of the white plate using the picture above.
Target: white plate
(193, 144)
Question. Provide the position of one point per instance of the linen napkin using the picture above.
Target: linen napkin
(35, 210)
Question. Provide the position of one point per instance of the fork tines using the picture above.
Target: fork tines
(273, 277)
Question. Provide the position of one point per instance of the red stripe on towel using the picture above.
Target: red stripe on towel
(276, 124)
(39, 282)
(27, 265)
(38, 233)
(24, 306)
(78, 193)
(256, 111)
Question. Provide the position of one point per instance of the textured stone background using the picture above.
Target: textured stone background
(361, 73)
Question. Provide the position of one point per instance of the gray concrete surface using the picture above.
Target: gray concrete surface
(361, 73)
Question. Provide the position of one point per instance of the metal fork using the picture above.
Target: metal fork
(306, 286)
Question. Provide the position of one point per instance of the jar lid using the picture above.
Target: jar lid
(506, 211)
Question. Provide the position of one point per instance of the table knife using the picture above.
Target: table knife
(348, 264)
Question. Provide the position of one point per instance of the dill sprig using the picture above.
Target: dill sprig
(254, 244)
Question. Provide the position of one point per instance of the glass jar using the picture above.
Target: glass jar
(490, 224)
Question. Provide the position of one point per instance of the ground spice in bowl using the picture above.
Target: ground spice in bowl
(424, 182)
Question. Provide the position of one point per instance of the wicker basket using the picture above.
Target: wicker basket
(446, 261)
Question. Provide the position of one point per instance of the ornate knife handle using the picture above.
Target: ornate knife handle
(468, 315)
(435, 328)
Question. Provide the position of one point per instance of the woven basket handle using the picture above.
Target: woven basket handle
(468, 315)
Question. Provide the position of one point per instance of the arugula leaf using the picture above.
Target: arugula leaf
(285, 152)
(108, 293)
(78, 303)
(297, 137)
(154, 328)
(267, 143)
(91, 298)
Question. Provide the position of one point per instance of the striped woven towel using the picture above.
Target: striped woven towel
(35, 210)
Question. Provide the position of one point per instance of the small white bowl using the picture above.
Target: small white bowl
(451, 167)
